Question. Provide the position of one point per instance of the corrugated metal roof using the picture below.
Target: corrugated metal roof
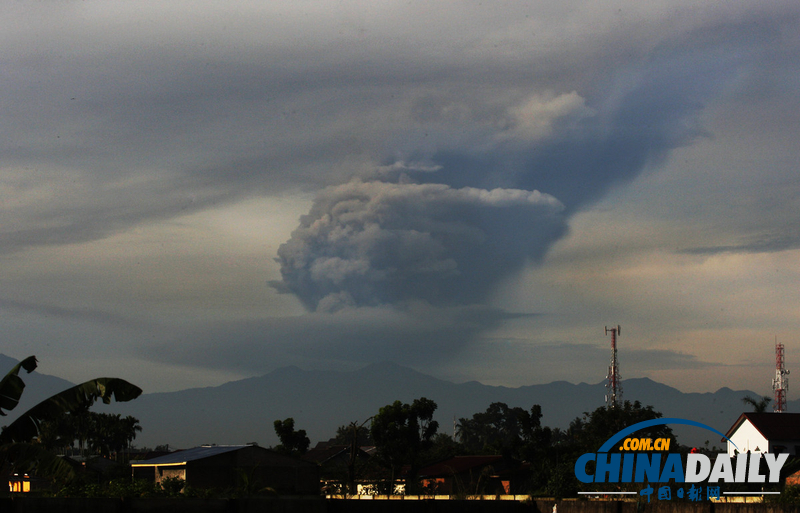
(196, 453)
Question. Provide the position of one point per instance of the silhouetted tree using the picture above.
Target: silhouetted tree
(443, 447)
(503, 430)
(110, 433)
(57, 434)
(589, 432)
(344, 435)
(593, 429)
(292, 442)
(759, 405)
(401, 433)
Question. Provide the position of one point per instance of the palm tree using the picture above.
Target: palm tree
(110, 433)
(759, 405)
(130, 428)
(17, 450)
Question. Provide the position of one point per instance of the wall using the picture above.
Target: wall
(747, 438)
(170, 472)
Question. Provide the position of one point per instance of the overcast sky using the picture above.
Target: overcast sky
(195, 192)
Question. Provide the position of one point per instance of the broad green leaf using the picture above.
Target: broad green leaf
(11, 386)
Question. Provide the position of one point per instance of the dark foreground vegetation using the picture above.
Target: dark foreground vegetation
(398, 451)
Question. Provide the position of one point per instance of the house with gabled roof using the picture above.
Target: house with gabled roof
(765, 432)
(219, 466)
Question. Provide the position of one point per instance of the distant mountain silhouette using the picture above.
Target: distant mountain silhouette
(320, 401)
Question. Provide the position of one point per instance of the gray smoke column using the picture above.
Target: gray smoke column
(367, 243)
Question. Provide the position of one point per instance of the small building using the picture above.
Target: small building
(19, 483)
(765, 432)
(474, 475)
(24, 483)
(219, 466)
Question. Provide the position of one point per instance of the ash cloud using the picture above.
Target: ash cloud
(373, 243)
(450, 230)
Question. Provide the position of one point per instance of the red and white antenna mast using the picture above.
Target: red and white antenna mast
(614, 384)
(781, 383)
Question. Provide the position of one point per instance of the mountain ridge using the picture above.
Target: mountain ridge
(322, 400)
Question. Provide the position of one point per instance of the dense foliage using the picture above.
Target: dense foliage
(103, 434)
(292, 441)
(503, 430)
(406, 439)
(402, 432)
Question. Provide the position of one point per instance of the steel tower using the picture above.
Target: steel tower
(614, 384)
(781, 383)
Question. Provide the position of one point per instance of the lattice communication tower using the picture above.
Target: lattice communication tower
(614, 384)
(780, 384)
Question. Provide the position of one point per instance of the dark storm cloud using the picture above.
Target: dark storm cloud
(372, 243)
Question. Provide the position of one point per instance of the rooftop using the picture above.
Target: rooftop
(774, 426)
(196, 453)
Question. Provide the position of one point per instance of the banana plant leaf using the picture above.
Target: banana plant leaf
(26, 427)
(11, 386)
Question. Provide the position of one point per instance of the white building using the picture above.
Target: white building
(765, 432)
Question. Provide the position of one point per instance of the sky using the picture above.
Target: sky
(198, 192)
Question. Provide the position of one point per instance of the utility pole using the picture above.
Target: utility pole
(355, 427)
